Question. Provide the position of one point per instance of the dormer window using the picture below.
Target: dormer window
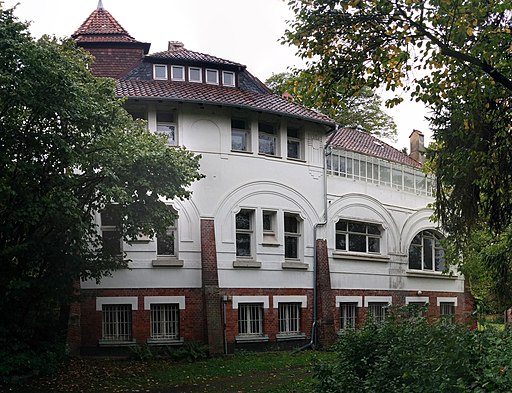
(194, 74)
(177, 73)
(228, 78)
(212, 77)
(160, 71)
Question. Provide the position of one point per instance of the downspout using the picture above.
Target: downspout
(327, 151)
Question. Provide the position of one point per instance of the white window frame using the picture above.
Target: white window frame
(165, 321)
(116, 323)
(447, 310)
(289, 318)
(245, 232)
(111, 229)
(171, 231)
(294, 139)
(377, 311)
(293, 235)
(244, 133)
(250, 320)
(211, 71)
(347, 233)
(437, 260)
(160, 66)
(269, 233)
(169, 129)
(268, 137)
(224, 73)
(176, 67)
(190, 69)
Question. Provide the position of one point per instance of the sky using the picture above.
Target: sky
(243, 31)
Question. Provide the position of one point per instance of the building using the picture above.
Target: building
(298, 230)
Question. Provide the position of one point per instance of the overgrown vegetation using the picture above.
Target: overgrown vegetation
(409, 355)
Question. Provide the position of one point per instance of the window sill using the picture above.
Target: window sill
(163, 341)
(290, 336)
(167, 262)
(424, 274)
(269, 155)
(296, 159)
(247, 263)
(112, 343)
(271, 244)
(251, 339)
(241, 151)
(360, 256)
(294, 265)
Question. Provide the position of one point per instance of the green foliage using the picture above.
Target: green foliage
(189, 352)
(141, 352)
(361, 110)
(411, 355)
(68, 149)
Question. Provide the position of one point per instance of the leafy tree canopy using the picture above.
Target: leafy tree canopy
(68, 150)
(454, 56)
(361, 110)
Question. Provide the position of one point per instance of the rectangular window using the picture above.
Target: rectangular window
(195, 74)
(166, 242)
(250, 319)
(212, 77)
(377, 311)
(294, 143)
(177, 73)
(348, 313)
(447, 310)
(116, 322)
(160, 71)
(166, 125)
(239, 135)
(165, 321)
(228, 78)
(244, 233)
(358, 237)
(267, 139)
(289, 318)
(291, 236)
(110, 230)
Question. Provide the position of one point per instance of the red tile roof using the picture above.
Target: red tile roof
(217, 95)
(183, 54)
(365, 143)
(101, 26)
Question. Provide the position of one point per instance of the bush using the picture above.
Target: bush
(189, 352)
(411, 355)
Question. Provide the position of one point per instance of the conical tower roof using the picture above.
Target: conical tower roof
(101, 26)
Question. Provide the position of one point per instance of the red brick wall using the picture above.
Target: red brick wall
(325, 319)
(191, 318)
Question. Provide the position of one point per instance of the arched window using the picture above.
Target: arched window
(426, 252)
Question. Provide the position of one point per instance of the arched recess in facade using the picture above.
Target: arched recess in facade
(419, 221)
(361, 207)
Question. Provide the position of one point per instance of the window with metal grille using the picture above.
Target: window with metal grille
(348, 313)
(358, 237)
(377, 311)
(289, 318)
(117, 322)
(250, 319)
(165, 321)
(447, 310)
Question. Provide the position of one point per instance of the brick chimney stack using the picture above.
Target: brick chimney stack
(417, 141)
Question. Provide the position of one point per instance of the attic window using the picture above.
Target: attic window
(212, 77)
(160, 71)
(177, 73)
(228, 78)
(195, 74)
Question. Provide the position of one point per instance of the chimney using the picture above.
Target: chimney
(175, 45)
(417, 142)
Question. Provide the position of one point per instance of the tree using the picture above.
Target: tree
(362, 110)
(453, 55)
(68, 150)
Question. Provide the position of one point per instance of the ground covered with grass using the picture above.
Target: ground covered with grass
(279, 372)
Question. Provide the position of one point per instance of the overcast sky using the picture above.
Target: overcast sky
(244, 31)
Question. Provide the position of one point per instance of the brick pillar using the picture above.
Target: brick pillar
(74, 333)
(210, 286)
(325, 299)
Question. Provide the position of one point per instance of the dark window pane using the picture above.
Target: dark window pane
(291, 246)
(373, 244)
(373, 229)
(112, 242)
(357, 243)
(293, 149)
(427, 253)
(341, 226)
(341, 242)
(243, 220)
(290, 224)
(356, 227)
(165, 244)
(415, 257)
(243, 244)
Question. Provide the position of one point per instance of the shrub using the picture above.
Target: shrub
(410, 355)
(189, 352)
(141, 352)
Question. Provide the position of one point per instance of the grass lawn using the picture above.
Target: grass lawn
(278, 372)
